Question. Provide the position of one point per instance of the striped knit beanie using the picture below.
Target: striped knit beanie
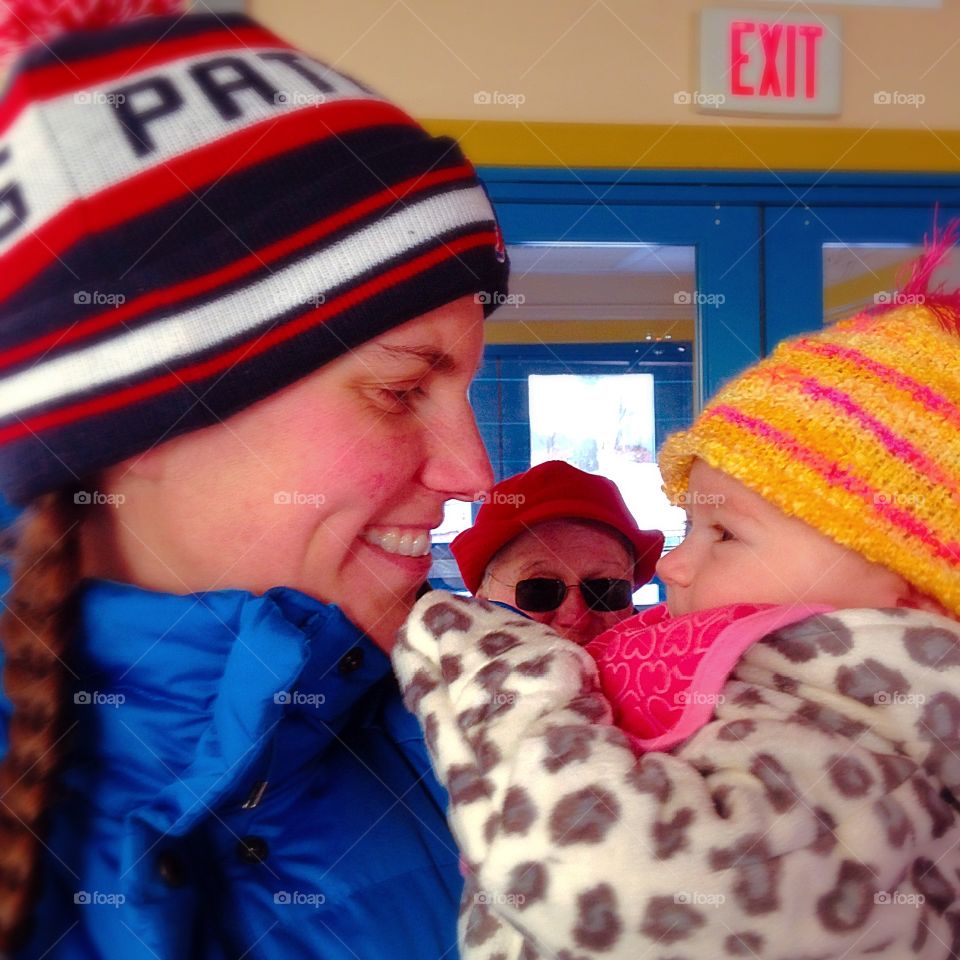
(194, 214)
(856, 432)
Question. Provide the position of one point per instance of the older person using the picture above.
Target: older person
(240, 308)
(560, 545)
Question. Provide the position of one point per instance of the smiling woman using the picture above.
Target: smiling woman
(330, 486)
(237, 330)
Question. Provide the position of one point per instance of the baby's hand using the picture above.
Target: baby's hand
(479, 678)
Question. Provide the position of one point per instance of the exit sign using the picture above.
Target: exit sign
(769, 62)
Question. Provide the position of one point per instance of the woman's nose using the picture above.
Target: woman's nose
(457, 463)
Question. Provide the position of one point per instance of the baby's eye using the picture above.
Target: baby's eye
(725, 534)
(687, 527)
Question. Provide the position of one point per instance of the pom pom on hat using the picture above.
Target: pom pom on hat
(916, 288)
(855, 430)
(24, 22)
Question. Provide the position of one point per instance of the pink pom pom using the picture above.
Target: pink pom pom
(916, 288)
(23, 22)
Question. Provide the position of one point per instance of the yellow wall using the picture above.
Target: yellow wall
(607, 61)
(616, 65)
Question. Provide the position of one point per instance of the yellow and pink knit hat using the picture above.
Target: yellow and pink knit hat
(854, 430)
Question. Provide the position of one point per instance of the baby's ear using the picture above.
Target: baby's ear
(914, 599)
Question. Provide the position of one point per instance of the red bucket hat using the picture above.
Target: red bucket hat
(550, 491)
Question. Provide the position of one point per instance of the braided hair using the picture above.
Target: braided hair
(35, 628)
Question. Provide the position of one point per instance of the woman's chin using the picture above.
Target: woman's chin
(382, 624)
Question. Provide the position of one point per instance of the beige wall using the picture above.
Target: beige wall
(606, 61)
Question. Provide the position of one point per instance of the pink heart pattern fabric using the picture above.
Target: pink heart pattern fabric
(664, 675)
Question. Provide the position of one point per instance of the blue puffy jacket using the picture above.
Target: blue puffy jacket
(243, 781)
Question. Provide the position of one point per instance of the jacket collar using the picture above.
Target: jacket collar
(180, 696)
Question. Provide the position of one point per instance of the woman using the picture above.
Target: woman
(239, 314)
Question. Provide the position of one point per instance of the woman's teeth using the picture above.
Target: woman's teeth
(395, 540)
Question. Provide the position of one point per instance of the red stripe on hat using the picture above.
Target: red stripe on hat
(46, 83)
(836, 474)
(899, 446)
(239, 268)
(181, 175)
(936, 402)
(252, 348)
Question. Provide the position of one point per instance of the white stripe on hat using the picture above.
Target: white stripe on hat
(132, 353)
(74, 145)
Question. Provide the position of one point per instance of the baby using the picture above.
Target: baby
(768, 765)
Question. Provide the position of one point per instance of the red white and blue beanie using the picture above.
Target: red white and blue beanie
(194, 214)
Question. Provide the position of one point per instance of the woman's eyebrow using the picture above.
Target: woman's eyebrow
(437, 360)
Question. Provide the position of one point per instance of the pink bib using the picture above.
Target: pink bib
(663, 675)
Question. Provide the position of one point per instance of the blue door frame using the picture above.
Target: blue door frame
(794, 239)
(758, 235)
(724, 237)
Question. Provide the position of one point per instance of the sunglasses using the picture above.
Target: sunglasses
(542, 594)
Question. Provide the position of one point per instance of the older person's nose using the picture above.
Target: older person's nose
(573, 610)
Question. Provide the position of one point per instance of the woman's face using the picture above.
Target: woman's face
(331, 485)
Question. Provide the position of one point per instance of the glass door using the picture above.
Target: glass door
(826, 262)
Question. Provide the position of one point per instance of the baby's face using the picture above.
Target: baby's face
(740, 548)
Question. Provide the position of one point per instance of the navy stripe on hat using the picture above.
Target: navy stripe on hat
(102, 270)
(93, 443)
(262, 303)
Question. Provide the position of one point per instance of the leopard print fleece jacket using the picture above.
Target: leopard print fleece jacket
(813, 817)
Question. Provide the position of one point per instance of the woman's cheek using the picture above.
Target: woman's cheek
(402, 451)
